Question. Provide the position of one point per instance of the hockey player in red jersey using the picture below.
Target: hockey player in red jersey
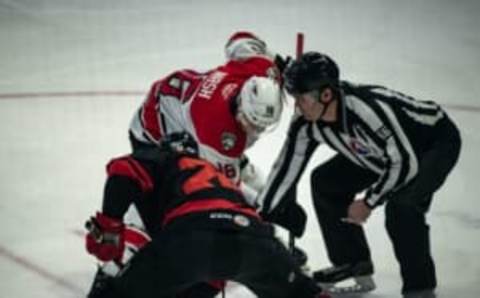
(202, 229)
(225, 109)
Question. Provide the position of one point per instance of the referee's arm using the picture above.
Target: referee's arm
(401, 164)
(289, 165)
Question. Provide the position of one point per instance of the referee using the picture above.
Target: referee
(394, 149)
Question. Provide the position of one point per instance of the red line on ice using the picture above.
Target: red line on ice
(128, 93)
(42, 272)
(28, 95)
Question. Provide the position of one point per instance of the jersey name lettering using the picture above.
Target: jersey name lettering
(210, 84)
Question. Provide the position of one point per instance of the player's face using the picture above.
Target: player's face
(309, 105)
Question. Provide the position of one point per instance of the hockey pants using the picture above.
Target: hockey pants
(180, 258)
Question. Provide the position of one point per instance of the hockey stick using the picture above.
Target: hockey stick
(300, 42)
(298, 54)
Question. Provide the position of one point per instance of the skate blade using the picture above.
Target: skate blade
(361, 284)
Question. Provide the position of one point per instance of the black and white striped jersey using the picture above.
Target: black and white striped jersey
(377, 128)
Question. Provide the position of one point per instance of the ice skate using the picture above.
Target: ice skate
(428, 293)
(347, 278)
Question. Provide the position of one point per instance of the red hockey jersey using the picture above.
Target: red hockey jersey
(201, 104)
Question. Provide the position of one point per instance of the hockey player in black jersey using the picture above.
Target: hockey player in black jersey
(396, 149)
(201, 230)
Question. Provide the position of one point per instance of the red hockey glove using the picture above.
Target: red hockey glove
(105, 238)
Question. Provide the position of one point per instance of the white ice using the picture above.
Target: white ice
(54, 147)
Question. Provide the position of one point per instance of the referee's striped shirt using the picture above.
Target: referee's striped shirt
(377, 128)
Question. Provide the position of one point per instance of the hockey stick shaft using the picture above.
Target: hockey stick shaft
(298, 53)
(300, 43)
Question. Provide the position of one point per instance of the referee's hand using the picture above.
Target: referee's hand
(358, 213)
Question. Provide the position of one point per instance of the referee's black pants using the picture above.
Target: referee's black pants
(186, 254)
(335, 184)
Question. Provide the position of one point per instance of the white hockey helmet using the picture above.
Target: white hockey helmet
(261, 102)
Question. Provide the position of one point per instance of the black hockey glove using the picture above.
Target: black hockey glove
(282, 63)
(291, 217)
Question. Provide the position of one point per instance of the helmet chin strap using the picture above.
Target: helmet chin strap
(325, 108)
(326, 105)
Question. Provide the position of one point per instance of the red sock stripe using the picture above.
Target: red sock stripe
(129, 167)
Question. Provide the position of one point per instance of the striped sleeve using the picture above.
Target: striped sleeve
(401, 161)
(289, 165)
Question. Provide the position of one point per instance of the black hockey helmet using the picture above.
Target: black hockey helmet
(312, 71)
(179, 142)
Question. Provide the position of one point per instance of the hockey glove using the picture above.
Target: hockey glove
(291, 217)
(251, 174)
(282, 62)
(105, 238)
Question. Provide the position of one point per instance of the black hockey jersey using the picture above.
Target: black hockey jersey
(165, 186)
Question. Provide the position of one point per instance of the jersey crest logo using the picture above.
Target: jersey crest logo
(359, 148)
(228, 140)
(363, 144)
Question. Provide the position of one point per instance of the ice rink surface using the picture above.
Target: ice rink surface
(73, 72)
